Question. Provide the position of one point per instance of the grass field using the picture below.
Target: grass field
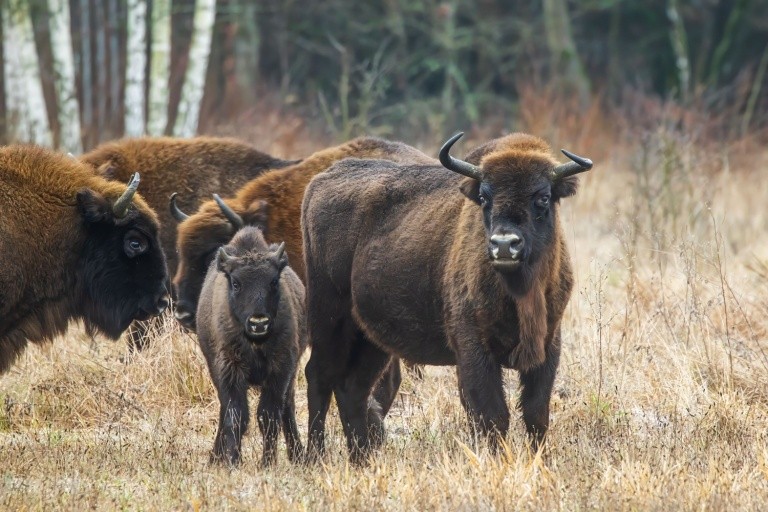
(661, 402)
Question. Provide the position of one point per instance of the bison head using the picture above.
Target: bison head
(253, 273)
(198, 240)
(122, 268)
(517, 187)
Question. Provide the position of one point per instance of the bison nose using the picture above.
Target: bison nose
(507, 247)
(258, 325)
(162, 304)
(184, 315)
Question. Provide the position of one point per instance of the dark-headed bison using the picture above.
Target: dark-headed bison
(251, 328)
(73, 246)
(195, 168)
(442, 270)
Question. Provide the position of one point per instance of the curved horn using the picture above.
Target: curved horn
(223, 256)
(579, 164)
(280, 250)
(228, 212)
(120, 208)
(176, 212)
(457, 165)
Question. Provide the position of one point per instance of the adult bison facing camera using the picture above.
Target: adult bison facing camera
(438, 269)
(73, 246)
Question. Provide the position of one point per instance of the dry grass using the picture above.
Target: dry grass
(661, 401)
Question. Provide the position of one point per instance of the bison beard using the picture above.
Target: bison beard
(440, 270)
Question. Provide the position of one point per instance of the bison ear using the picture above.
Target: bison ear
(470, 187)
(224, 263)
(107, 170)
(565, 187)
(93, 207)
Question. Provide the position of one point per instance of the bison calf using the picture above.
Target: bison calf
(251, 329)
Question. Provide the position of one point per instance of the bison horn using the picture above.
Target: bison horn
(457, 165)
(579, 164)
(120, 208)
(280, 250)
(228, 212)
(176, 212)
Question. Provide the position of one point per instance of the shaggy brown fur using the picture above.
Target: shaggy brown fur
(412, 256)
(275, 196)
(65, 255)
(278, 195)
(195, 168)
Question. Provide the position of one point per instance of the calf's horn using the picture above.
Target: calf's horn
(228, 212)
(579, 164)
(176, 212)
(456, 165)
(120, 208)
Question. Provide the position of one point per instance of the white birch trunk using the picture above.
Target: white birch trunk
(25, 104)
(135, 68)
(68, 109)
(194, 80)
(159, 67)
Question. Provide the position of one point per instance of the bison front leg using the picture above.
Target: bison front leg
(269, 413)
(537, 391)
(482, 392)
(233, 422)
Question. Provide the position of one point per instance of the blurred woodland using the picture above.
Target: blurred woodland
(390, 67)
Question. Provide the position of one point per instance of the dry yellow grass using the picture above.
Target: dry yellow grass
(661, 401)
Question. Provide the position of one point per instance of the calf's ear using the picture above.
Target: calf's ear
(93, 207)
(470, 187)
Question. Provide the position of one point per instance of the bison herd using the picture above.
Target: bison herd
(436, 262)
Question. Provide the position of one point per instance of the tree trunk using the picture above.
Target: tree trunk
(566, 66)
(679, 42)
(26, 116)
(194, 80)
(135, 68)
(159, 67)
(67, 108)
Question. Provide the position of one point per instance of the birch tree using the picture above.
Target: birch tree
(25, 104)
(194, 79)
(135, 66)
(68, 109)
(159, 67)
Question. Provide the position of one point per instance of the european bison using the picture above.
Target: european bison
(251, 328)
(439, 270)
(195, 167)
(74, 246)
(272, 201)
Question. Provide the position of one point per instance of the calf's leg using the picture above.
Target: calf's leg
(233, 423)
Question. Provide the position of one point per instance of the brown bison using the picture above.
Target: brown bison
(252, 331)
(74, 246)
(437, 269)
(195, 167)
(272, 201)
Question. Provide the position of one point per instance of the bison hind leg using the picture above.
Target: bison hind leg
(360, 414)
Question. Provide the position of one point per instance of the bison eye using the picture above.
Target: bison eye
(235, 286)
(543, 201)
(483, 199)
(274, 282)
(134, 245)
